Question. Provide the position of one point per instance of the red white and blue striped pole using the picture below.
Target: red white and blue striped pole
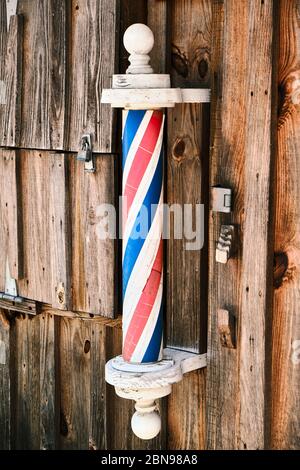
(142, 235)
(145, 372)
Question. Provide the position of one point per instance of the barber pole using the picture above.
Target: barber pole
(142, 252)
(145, 372)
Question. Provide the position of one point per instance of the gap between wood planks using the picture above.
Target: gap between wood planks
(112, 322)
(58, 151)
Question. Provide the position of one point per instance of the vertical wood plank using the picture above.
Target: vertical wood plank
(241, 159)
(60, 234)
(3, 42)
(226, 168)
(49, 400)
(93, 258)
(44, 74)
(256, 286)
(6, 404)
(10, 113)
(99, 424)
(35, 170)
(286, 318)
(187, 172)
(187, 177)
(131, 11)
(94, 59)
(11, 235)
(186, 429)
(157, 20)
(27, 382)
(75, 369)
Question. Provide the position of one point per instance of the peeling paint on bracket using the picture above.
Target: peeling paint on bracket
(146, 385)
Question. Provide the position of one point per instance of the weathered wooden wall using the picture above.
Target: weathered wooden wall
(55, 58)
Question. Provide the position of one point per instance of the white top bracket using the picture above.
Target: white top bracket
(140, 88)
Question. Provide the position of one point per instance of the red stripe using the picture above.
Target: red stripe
(144, 306)
(141, 160)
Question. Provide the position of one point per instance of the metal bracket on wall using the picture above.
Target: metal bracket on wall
(85, 154)
(18, 304)
(224, 244)
(10, 299)
(220, 199)
(10, 283)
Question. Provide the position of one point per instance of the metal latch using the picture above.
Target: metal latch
(85, 154)
(220, 199)
(224, 244)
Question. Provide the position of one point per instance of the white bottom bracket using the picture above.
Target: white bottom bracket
(145, 383)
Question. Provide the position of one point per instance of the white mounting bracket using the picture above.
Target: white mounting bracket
(145, 383)
(153, 98)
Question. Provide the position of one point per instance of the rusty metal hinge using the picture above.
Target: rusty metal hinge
(18, 304)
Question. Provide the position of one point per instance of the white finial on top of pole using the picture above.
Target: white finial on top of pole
(140, 88)
(139, 41)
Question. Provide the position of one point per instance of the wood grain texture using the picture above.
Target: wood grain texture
(286, 320)
(187, 173)
(98, 430)
(5, 383)
(3, 29)
(26, 369)
(75, 364)
(10, 112)
(94, 60)
(3, 43)
(189, 24)
(11, 236)
(241, 160)
(35, 170)
(49, 382)
(60, 243)
(44, 92)
(131, 11)
(158, 12)
(186, 429)
(60, 399)
(61, 210)
(93, 258)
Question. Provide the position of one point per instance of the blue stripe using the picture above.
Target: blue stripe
(134, 245)
(152, 352)
(133, 122)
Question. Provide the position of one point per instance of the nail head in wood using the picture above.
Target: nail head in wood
(227, 329)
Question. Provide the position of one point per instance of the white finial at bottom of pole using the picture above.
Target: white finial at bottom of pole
(138, 41)
(147, 383)
(146, 421)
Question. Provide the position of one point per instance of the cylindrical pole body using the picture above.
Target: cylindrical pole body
(142, 218)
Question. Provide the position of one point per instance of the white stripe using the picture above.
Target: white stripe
(124, 119)
(142, 268)
(142, 189)
(135, 143)
(148, 331)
